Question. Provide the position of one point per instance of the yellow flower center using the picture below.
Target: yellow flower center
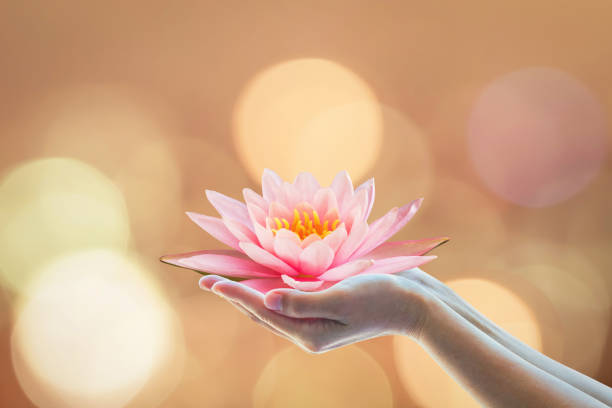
(306, 226)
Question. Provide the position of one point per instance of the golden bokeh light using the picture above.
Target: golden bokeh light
(91, 330)
(205, 165)
(49, 207)
(126, 135)
(404, 170)
(347, 377)
(152, 175)
(104, 125)
(208, 166)
(166, 377)
(582, 290)
(583, 305)
(308, 115)
(574, 287)
(210, 324)
(426, 382)
(587, 222)
(226, 352)
(113, 124)
(458, 210)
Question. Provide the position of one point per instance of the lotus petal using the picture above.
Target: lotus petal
(240, 231)
(405, 248)
(223, 262)
(251, 197)
(256, 214)
(343, 188)
(267, 259)
(352, 241)
(397, 264)
(325, 200)
(316, 258)
(353, 215)
(346, 270)
(291, 195)
(307, 185)
(305, 285)
(264, 285)
(286, 247)
(265, 237)
(377, 231)
(215, 227)
(278, 210)
(404, 215)
(369, 187)
(309, 240)
(358, 202)
(229, 208)
(336, 238)
(270, 185)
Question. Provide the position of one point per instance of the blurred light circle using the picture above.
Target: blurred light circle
(308, 115)
(127, 136)
(584, 310)
(210, 324)
(580, 290)
(537, 136)
(224, 385)
(49, 207)
(466, 215)
(404, 169)
(5, 309)
(226, 352)
(347, 377)
(166, 377)
(91, 331)
(207, 165)
(589, 224)
(103, 125)
(425, 381)
(150, 176)
(204, 161)
(576, 289)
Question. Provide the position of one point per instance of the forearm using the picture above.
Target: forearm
(576, 379)
(493, 374)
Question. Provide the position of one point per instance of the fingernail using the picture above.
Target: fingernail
(204, 284)
(215, 290)
(273, 301)
(207, 282)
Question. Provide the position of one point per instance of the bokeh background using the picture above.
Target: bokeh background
(115, 116)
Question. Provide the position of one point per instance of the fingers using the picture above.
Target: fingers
(326, 304)
(287, 302)
(258, 320)
(252, 301)
(311, 334)
(206, 282)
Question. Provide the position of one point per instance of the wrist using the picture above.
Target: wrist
(419, 303)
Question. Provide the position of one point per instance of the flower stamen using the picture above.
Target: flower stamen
(306, 225)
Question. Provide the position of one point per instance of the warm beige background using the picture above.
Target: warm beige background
(163, 99)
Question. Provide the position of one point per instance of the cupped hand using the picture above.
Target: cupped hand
(355, 309)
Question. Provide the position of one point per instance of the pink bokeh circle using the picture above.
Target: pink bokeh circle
(537, 136)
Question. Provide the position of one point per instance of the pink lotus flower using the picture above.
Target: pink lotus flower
(304, 236)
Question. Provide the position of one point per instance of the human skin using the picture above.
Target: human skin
(498, 369)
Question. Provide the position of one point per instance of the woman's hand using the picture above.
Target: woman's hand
(496, 368)
(353, 310)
